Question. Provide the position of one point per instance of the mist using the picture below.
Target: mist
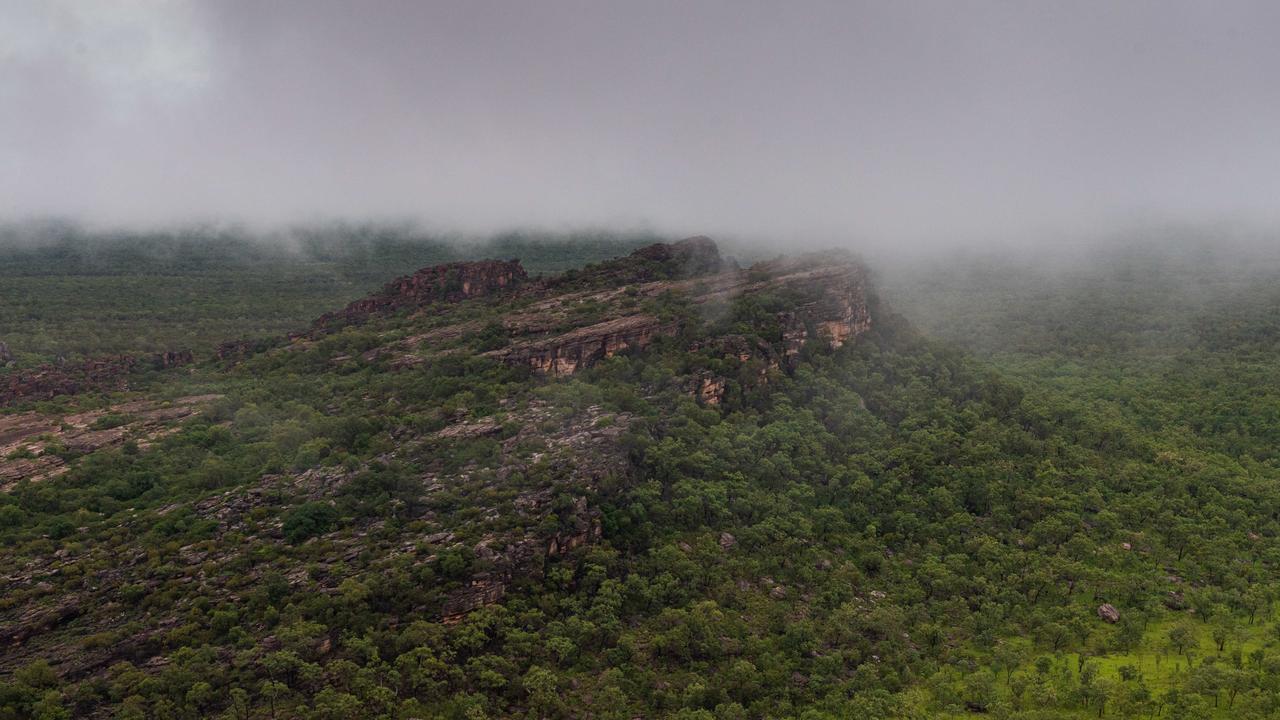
(872, 124)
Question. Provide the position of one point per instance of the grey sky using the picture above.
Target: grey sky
(894, 120)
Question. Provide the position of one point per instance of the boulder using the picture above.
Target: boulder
(1108, 612)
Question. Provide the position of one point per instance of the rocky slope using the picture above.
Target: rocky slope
(513, 487)
(451, 282)
(98, 374)
(33, 445)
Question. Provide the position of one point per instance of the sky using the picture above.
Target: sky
(898, 121)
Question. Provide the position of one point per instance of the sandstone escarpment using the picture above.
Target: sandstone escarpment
(49, 381)
(834, 311)
(451, 282)
(841, 313)
(583, 347)
(542, 335)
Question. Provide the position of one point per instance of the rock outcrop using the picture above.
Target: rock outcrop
(103, 374)
(172, 359)
(835, 310)
(5, 355)
(478, 593)
(838, 314)
(1108, 612)
(710, 389)
(451, 282)
(51, 380)
(691, 257)
(583, 347)
(27, 440)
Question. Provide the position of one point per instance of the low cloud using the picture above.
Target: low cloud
(816, 122)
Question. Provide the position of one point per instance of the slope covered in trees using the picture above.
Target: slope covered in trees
(719, 511)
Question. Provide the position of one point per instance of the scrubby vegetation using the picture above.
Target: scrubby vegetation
(916, 525)
(70, 292)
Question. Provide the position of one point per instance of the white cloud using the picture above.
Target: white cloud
(124, 52)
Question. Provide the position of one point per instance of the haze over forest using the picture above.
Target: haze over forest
(599, 360)
(859, 123)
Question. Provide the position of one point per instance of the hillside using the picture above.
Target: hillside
(66, 291)
(659, 485)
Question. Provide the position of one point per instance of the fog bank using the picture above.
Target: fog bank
(866, 123)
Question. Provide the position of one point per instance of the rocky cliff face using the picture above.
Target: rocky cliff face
(568, 352)
(835, 313)
(841, 314)
(451, 282)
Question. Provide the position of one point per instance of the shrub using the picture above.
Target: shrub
(308, 520)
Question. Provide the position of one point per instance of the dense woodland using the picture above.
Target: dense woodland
(920, 524)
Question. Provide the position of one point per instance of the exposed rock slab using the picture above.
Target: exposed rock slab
(583, 347)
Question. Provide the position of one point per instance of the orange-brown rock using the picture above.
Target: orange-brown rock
(710, 389)
(840, 311)
(583, 347)
(585, 529)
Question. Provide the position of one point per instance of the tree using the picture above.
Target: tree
(240, 708)
(307, 520)
(1221, 633)
(50, 707)
(1182, 638)
(274, 693)
(542, 687)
